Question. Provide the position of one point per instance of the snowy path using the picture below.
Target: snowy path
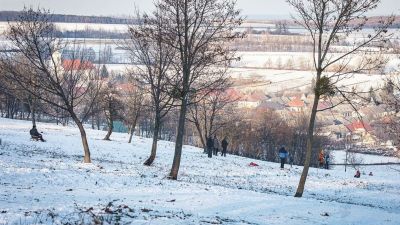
(40, 179)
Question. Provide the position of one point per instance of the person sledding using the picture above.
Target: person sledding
(283, 155)
(358, 174)
(35, 135)
(370, 174)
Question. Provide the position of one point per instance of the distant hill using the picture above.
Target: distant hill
(373, 21)
(61, 18)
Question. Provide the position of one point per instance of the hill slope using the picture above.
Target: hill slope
(46, 182)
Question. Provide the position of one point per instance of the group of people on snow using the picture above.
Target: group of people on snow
(324, 159)
(358, 174)
(214, 146)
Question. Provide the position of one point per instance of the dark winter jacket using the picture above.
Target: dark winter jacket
(283, 153)
(224, 144)
(34, 132)
(327, 158)
(210, 142)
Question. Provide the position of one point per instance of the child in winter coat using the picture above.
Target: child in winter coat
(321, 158)
(283, 154)
(358, 174)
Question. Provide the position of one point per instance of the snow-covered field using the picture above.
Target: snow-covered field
(80, 26)
(46, 182)
(272, 59)
(278, 80)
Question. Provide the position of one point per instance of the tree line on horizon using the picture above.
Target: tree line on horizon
(6, 16)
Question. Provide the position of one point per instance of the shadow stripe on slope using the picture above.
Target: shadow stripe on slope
(249, 186)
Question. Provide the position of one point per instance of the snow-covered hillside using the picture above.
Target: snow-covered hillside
(46, 182)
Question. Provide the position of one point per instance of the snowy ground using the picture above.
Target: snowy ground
(46, 182)
(290, 79)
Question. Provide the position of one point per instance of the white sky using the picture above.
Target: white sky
(125, 7)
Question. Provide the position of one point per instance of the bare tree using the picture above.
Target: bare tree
(200, 32)
(391, 100)
(133, 100)
(11, 88)
(10, 91)
(111, 105)
(327, 23)
(96, 116)
(208, 114)
(154, 60)
(62, 85)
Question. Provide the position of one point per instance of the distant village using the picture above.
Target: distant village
(358, 128)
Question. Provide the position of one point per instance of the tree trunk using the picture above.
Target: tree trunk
(92, 120)
(310, 136)
(156, 131)
(198, 128)
(33, 113)
(98, 121)
(86, 158)
(132, 130)
(110, 129)
(179, 142)
(204, 141)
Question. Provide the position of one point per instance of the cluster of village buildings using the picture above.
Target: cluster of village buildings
(344, 126)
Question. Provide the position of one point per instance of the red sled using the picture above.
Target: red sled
(253, 164)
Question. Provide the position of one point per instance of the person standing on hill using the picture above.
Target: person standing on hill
(224, 147)
(283, 155)
(327, 160)
(321, 158)
(210, 146)
(216, 145)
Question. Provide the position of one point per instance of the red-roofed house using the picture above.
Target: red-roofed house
(77, 64)
(233, 94)
(360, 132)
(252, 100)
(359, 126)
(296, 105)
